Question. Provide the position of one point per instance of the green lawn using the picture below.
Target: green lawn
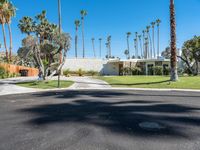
(152, 82)
(46, 85)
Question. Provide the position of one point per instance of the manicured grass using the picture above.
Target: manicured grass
(46, 85)
(153, 82)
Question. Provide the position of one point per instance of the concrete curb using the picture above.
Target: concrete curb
(102, 89)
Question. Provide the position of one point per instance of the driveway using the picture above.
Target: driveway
(100, 120)
(7, 86)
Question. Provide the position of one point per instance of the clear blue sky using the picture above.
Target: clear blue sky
(113, 17)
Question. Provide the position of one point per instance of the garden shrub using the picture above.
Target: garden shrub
(166, 71)
(92, 73)
(80, 72)
(2, 72)
(158, 70)
(66, 72)
(136, 71)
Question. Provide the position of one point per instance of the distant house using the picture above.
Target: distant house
(115, 66)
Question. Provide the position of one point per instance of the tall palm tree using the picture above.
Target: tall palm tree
(60, 24)
(146, 52)
(140, 41)
(174, 74)
(3, 7)
(158, 21)
(128, 46)
(77, 24)
(143, 41)
(109, 46)
(9, 13)
(150, 41)
(83, 14)
(136, 44)
(100, 42)
(26, 25)
(127, 53)
(93, 46)
(153, 38)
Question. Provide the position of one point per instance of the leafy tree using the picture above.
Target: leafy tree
(191, 54)
(44, 46)
(166, 53)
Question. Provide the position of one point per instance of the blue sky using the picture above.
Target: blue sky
(113, 17)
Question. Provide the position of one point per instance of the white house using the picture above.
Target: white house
(114, 66)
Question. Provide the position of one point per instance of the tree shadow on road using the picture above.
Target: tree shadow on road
(118, 116)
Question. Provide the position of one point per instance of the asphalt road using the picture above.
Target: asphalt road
(100, 120)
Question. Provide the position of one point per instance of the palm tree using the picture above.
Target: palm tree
(77, 24)
(93, 39)
(9, 13)
(149, 38)
(3, 7)
(143, 41)
(158, 21)
(135, 46)
(26, 25)
(140, 41)
(60, 22)
(136, 43)
(153, 38)
(146, 51)
(83, 14)
(109, 46)
(100, 40)
(128, 46)
(127, 53)
(174, 74)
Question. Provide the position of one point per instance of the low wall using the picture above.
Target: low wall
(16, 69)
(98, 65)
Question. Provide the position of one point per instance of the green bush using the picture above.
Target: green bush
(166, 71)
(92, 73)
(80, 72)
(126, 70)
(158, 70)
(2, 72)
(136, 71)
(66, 73)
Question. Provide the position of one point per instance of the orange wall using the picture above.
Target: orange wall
(16, 69)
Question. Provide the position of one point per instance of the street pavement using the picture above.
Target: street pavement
(100, 120)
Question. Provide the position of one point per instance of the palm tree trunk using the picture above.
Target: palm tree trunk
(11, 43)
(4, 38)
(100, 48)
(158, 46)
(153, 37)
(141, 48)
(83, 37)
(150, 41)
(60, 22)
(76, 43)
(174, 74)
(128, 47)
(93, 49)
